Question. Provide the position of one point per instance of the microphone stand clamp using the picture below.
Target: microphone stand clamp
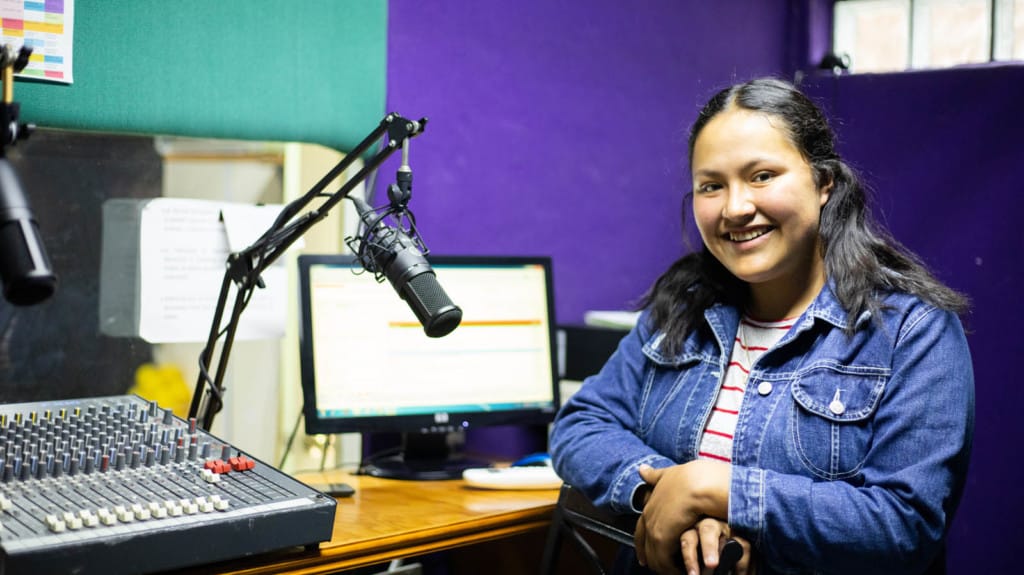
(10, 130)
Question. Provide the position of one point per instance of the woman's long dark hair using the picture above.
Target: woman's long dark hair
(861, 259)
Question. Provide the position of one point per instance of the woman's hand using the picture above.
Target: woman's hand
(705, 541)
(679, 496)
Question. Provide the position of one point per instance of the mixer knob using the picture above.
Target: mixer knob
(54, 523)
(220, 503)
(173, 508)
(106, 517)
(89, 519)
(123, 514)
(204, 505)
(141, 513)
(71, 520)
(156, 510)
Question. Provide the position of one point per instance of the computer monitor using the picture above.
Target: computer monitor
(368, 366)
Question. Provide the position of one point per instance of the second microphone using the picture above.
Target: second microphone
(388, 250)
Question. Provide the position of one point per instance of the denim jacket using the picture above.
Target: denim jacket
(865, 484)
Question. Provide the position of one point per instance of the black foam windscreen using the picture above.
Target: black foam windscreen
(431, 304)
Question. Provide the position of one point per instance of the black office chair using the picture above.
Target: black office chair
(575, 512)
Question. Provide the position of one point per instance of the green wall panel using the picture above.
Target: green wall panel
(282, 70)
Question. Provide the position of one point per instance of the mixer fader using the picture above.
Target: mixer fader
(118, 485)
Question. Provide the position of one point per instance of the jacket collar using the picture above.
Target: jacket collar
(826, 306)
(724, 320)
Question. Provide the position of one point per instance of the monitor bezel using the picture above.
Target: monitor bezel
(429, 422)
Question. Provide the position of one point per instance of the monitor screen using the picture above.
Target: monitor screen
(367, 364)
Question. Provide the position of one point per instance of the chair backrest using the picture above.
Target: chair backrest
(575, 511)
(580, 512)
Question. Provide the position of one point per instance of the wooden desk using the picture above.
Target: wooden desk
(390, 519)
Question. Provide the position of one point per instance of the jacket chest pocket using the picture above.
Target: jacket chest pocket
(831, 423)
(664, 383)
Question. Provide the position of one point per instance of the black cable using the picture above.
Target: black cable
(203, 371)
(373, 457)
(323, 456)
(291, 438)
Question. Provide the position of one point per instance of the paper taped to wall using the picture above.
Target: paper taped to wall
(162, 266)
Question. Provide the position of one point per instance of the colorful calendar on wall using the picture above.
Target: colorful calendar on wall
(46, 26)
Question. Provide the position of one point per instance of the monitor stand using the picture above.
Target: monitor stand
(424, 457)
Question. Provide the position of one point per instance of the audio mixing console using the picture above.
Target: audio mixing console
(117, 485)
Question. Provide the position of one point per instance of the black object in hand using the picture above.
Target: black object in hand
(731, 554)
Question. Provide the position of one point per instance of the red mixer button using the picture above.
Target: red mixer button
(241, 463)
(217, 466)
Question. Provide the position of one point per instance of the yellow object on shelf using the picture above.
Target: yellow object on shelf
(165, 385)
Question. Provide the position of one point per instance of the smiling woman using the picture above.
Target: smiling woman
(801, 384)
(757, 207)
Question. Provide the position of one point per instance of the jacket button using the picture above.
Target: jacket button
(764, 388)
(837, 406)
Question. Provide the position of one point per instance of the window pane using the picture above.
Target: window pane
(1009, 42)
(1018, 30)
(950, 32)
(874, 33)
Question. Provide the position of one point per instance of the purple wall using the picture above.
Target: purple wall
(943, 152)
(558, 128)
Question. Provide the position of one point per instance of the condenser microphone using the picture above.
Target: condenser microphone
(24, 266)
(390, 251)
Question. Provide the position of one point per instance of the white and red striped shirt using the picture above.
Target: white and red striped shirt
(752, 339)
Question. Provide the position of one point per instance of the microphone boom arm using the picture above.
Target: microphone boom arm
(244, 268)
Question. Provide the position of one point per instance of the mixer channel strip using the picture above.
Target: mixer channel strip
(117, 485)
